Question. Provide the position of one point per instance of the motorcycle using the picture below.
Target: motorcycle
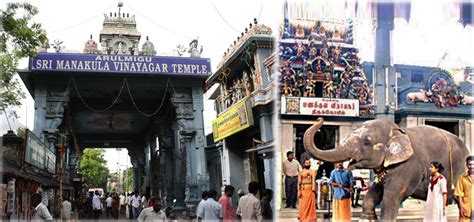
(169, 210)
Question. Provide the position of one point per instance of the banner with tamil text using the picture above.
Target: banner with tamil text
(235, 119)
(319, 106)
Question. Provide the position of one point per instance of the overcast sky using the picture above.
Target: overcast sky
(432, 31)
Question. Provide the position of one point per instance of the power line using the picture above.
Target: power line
(161, 26)
(260, 13)
(222, 17)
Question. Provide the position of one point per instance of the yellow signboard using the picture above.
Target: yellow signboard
(235, 119)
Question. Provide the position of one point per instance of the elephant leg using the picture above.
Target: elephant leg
(392, 199)
(371, 200)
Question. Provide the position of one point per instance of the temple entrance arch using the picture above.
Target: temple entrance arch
(157, 118)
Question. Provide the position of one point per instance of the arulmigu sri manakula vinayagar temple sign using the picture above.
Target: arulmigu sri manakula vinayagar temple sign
(104, 63)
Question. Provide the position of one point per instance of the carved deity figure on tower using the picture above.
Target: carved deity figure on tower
(247, 84)
(44, 47)
(193, 49)
(90, 46)
(148, 48)
(119, 49)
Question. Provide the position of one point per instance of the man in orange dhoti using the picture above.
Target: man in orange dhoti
(306, 193)
(342, 181)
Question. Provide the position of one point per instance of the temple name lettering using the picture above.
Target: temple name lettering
(121, 64)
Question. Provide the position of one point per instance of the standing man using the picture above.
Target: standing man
(108, 205)
(464, 191)
(96, 206)
(89, 209)
(135, 205)
(40, 212)
(122, 203)
(306, 193)
(291, 169)
(342, 181)
(66, 209)
(267, 212)
(144, 201)
(204, 197)
(226, 203)
(211, 209)
(152, 213)
(249, 206)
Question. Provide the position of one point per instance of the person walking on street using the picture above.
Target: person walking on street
(40, 212)
(342, 181)
(267, 211)
(307, 193)
(464, 192)
(89, 208)
(204, 197)
(115, 206)
(249, 206)
(96, 205)
(435, 209)
(226, 203)
(291, 169)
(66, 209)
(122, 203)
(153, 213)
(108, 205)
(211, 209)
(128, 206)
(135, 205)
(144, 201)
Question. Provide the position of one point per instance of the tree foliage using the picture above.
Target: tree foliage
(94, 169)
(21, 132)
(20, 39)
(128, 180)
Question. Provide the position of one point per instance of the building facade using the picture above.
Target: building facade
(117, 94)
(321, 75)
(430, 96)
(244, 103)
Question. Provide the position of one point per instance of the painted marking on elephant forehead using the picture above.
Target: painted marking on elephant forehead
(359, 131)
(395, 148)
(378, 146)
(356, 133)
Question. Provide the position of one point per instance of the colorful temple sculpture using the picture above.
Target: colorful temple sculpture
(441, 90)
(318, 59)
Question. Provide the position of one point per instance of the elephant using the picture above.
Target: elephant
(399, 156)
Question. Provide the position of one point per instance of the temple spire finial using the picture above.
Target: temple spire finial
(120, 4)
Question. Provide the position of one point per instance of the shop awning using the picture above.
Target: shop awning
(8, 169)
(265, 147)
(44, 180)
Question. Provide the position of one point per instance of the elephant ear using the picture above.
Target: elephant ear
(399, 147)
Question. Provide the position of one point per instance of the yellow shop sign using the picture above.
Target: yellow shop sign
(234, 119)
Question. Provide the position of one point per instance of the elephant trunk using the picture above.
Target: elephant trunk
(337, 154)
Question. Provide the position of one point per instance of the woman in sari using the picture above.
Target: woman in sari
(115, 206)
(437, 195)
(306, 190)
